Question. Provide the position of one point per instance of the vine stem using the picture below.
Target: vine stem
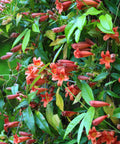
(116, 13)
(111, 126)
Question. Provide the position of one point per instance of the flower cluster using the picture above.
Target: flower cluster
(107, 137)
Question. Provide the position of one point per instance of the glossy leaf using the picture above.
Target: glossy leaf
(29, 119)
(77, 98)
(41, 122)
(26, 40)
(18, 18)
(50, 34)
(80, 131)
(31, 96)
(116, 113)
(77, 35)
(73, 123)
(59, 100)
(14, 89)
(19, 37)
(106, 22)
(35, 28)
(87, 93)
(58, 42)
(109, 110)
(101, 76)
(112, 94)
(88, 119)
(93, 11)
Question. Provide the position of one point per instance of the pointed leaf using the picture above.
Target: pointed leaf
(41, 122)
(73, 123)
(77, 98)
(87, 93)
(109, 110)
(14, 89)
(80, 131)
(26, 40)
(59, 100)
(19, 37)
(101, 76)
(112, 94)
(93, 11)
(18, 18)
(35, 28)
(58, 42)
(29, 119)
(88, 119)
(116, 113)
(50, 34)
(77, 35)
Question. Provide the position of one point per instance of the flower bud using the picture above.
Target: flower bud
(98, 120)
(98, 103)
(80, 77)
(68, 113)
(17, 48)
(13, 96)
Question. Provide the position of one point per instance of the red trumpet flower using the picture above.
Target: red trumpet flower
(98, 103)
(3, 143)
(37, 14)
(24, 133)
(30, 141)
(17, 48)
(83, 45)
(59, 29)
(43, 18)
(13, 96)
(68, 113)
(80, 77)
(82, 3)
(8, 55)
(80, 54)
(98, 120)
(20, 139)
(10, 124)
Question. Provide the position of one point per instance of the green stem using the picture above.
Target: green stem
(111, 126)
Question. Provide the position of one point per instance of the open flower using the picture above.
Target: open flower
(59, 6)
(93, 134)
(46, 98)
(113, 36)
(106, 59)
(20, 139)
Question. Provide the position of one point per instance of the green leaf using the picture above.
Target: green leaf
(93, 11)
(112, 94)
(106, 22)
(23, 104)
(14, 89)
(18, 18)
(117, 67)
(19, 37)
(26, 40)
(81, 21)
(103, 29)
(31, 96)
(58, 42)
(116, 113)
(50, 34)
(53, 120)
(109, 83)
(70, 28)
(115, 75)
(101, 76)
(80, 131)
(73, 123)
(87, 93)
(88, 119)
(59, 100)
(109, 110)
(2, 103)
(29, 119)
(77, 35)
(57, 53)
(77, 98)
(42, 123)
(35, 28)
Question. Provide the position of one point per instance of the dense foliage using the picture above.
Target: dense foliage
(59, 71)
